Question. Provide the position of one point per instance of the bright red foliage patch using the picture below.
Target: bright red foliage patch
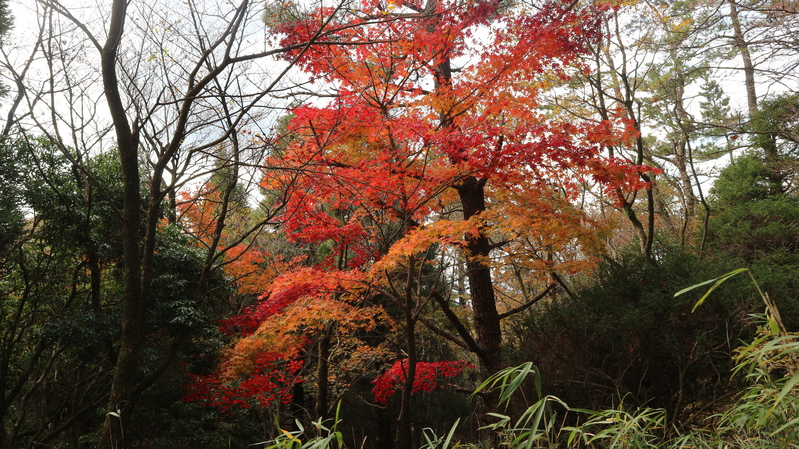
(424, 381)
(272, 380)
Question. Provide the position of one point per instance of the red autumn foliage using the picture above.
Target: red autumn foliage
(405, 128)
(272, 380)
(422, 106)
(425, 380)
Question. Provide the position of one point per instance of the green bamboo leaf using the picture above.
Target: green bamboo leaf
(789, 384)
(450, 434)
(515, 382)
(722, 278)
(716, 282)
(507, 380)
(787, 425)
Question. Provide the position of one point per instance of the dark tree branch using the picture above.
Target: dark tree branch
(468, 340)
(528, 304)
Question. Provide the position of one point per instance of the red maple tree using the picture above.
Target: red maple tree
(437, 135)
(437, 126)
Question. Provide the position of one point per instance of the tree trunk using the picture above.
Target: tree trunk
(743, 47)
(404, 436)
(322, 374)
(769, 145)
(471, 191)
(124, 381)
(478, 273)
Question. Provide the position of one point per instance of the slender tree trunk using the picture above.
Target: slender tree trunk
(647, 236)
(743, 47)
(404, 436)
(625, 93)
(92, 256)
(298, 405)
(3, 409)
(681, 150)
(322, 374)
(769, 145)
(124, 381)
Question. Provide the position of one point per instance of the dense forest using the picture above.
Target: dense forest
(399, 224)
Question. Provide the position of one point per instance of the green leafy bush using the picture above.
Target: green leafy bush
(624, 335)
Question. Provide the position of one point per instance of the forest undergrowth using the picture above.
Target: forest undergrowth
(764, 415)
